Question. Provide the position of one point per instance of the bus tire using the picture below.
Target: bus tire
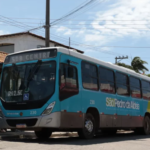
(146, 125)
(43, 134)
(88, 131)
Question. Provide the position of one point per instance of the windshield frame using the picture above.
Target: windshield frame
(27, 63)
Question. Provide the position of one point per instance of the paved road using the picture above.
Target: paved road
(28, 141)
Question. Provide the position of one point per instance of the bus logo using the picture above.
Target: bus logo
(112, 102)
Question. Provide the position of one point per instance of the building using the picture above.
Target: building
(2, 58)
(11, 43)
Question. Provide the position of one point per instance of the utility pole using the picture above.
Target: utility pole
(47, 25)
(120, 58)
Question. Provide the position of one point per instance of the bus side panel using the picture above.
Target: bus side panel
(99, 100)
(137, 109)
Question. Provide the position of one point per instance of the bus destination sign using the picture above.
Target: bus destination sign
(29, 56)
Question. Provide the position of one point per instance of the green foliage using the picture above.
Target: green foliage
(124, 65)
(148, 75)
(137, 65)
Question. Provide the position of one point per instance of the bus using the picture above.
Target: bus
(57, 89)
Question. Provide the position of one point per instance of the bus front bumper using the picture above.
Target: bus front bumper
(49, 121)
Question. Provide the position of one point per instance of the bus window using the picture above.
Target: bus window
(89, 76)
(68, 85)
(135, 87)
(145, 90)
(106, 78)
(122, 84)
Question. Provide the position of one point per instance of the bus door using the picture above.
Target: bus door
(69, 92)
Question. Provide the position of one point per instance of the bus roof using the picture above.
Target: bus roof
(76, 54)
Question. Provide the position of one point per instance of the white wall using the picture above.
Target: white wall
(24, 42)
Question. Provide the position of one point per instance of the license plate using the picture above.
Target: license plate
(21, 125)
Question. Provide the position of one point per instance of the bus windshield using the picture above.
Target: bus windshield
(28, 82)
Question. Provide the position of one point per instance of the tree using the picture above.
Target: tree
(125, 65)
(148, 75)
(137, 65)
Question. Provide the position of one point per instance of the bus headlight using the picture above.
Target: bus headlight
(1, 114)
(49, 109)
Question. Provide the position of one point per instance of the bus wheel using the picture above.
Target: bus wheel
(88, 131)
(146, 126)
(43, 134)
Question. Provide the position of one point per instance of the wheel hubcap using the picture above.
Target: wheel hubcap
(89, 125)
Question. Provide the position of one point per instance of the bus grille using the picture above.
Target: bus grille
(28, 122)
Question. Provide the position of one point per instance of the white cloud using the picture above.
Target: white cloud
(61, 29)
(125, 18)
(3, 32)
(120, 20)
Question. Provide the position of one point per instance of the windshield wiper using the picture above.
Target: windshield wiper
(15, 70)
(2, 99)
(37, 65)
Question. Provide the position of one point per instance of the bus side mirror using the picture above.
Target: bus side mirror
(70, 72)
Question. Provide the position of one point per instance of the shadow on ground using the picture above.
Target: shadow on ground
(67, 140)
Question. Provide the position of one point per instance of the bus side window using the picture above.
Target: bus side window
(90, 76)
(68, 84)
(135, 87)
(122, 84)
(146, 89)
(107, 80)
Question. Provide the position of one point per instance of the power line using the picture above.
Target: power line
(82, 44)
(11, 21)
(20, 25)
(117, 47)
(80, 23)
(102, 24)
(28, 22)
(89, 28)
(88, 8)
(95, 3)
(78, 19)
(73, 12)
(16, 23)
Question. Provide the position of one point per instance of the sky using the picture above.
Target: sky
(103, 30)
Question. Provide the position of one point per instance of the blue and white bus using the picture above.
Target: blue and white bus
(57, 89)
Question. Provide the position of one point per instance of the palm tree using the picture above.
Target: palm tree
(137, 65)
